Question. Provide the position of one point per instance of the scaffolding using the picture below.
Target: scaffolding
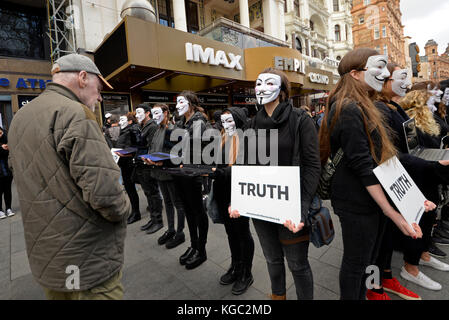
(61, 28)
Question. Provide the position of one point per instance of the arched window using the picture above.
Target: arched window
(336, 6)
(312, 25)
(338, 58)
(337, 33)
(298, 44)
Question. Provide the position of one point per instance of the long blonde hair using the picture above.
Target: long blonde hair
(415, 105)
(350, 90)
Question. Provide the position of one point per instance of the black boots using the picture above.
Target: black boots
(147, 225)
(156, 226)
(230, 276)
(176, 240)
(166, 237)
(244, 280)
(196, 259)
(186, 255)
(134, 217)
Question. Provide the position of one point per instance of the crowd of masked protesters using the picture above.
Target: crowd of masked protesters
(363, 120)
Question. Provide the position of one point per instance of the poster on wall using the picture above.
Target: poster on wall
(24, 99)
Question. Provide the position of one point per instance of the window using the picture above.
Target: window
(433, 50)
(338, 58)
(312, 25)
(346, 32)
(361, 20)
(366, 2)
(165, 13)
(22, 32)
(298, 44)
(377, 49)
(336, 6)
(386, 50)
(376, 33)
(192, 17)
(384, 32)
(297, 9)
(337, 33)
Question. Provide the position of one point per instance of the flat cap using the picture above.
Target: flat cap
(76, 62)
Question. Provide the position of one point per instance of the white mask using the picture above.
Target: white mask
(268, 87)
(401, 82)
(123, 123)
(445, 98)
(376, 72)
(436, 93)
(158, 115)
(228, 124)
(182, 105)
(140, 114)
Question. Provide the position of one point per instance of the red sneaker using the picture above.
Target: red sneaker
(393, 286)
(371, 295)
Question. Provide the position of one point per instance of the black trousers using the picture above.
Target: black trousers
(127, 167)
(172, 201)
(240, 240)
(5, 192)
(189, 190)
(362, 236)
(150, 186)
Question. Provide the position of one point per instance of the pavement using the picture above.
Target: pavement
(152, 272)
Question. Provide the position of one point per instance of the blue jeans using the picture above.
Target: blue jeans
(297, 260)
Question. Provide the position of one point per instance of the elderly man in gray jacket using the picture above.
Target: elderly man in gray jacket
(74, 209)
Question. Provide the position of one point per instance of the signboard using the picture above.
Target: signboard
(267, 193)
(23, 100)
(213, 99)
(290, 64)
(244, 99)
(156, 96)
(402, 190)
(195, 53)
(318, 78)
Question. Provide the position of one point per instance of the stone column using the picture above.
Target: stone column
(281, 20)
(269, 17)
(244, 13)
(179, 12)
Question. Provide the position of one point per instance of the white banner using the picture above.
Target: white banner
(115, 156)
(267, 193)
(402, 189)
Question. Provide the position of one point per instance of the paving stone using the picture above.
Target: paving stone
(17, 242)
(333, 257)
(19, 265)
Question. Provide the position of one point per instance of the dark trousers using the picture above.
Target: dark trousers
(190, 191)
(297, 260)
(413, 248)
(150, 187)
(127, 167)
(5, 192)
(362, 236)
(240, 240)
(172, 201)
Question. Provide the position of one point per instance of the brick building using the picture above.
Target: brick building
(439, 64)
(377, 24)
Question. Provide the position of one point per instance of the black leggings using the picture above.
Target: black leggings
(5, 190)
(189, 189)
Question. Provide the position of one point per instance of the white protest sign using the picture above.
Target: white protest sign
(402, 189)
(267, 193)
(114, 155)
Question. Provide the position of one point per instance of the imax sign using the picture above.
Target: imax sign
(195, 53)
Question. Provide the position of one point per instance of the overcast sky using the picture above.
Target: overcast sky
(425, 20)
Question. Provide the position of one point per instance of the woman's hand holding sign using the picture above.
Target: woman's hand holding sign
(291, 226)
(233, 213)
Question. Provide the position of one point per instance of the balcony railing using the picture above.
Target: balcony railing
(233, 33)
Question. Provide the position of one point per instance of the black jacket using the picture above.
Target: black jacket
(190, 154)
(305, 154)
(4, 168)
(128, 136)
(355, 171)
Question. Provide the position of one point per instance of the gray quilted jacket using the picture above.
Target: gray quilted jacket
(73, 208)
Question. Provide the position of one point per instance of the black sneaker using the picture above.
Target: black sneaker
(165, 237)
(186, 255)
(147, 225)
(229, 277)
(436, 252)
(440, 241)
(197, 259)
(175, 241)
(243, 282)
(155, 227)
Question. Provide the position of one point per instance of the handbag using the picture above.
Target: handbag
(324, 186)
(321, 226)
(212, 207)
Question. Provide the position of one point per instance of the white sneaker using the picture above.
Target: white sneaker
(421, 279)
(2, 215)
(435, 263)
(9, 213)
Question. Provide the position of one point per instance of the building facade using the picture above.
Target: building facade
(438, 64)
(378, 25)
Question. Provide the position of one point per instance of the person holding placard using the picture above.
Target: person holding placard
(190, 188)
(420, 170)
(161, 143)
(296, 145)
(129, 131)
(353, 124)
(241, 243)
